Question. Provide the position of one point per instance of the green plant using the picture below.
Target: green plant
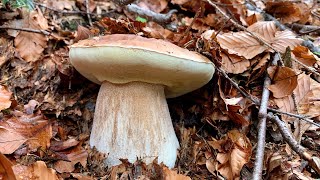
(19, 3)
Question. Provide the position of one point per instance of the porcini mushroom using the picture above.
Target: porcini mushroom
(131, 117)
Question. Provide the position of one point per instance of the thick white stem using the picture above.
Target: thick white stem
(132, 121)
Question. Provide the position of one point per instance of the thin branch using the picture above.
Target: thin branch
(287, 136)
(152, 16)
(71, 12)
(256, 101)
(27, 30)
(262, 126)
(88, 12)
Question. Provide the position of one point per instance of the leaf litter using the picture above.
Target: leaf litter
(47, 107)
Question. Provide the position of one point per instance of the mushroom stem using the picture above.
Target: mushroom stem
(132, 121)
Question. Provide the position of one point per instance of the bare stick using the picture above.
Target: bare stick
(262, 126)
(152, 16)
(287, 136)
(88, 12)
(27, 30)
(71, 12)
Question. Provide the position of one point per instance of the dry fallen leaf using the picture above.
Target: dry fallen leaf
(31, 45)
(75, 155)
(5, 97)
(284, 81)
(6, 171)
(243, 44)
(173, 175)
(234, 64)
(10, 141)
(37, 171)
(235, 150)
(304, 55)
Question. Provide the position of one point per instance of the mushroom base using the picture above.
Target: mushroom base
(132, 121)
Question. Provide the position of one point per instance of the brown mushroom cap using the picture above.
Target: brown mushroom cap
(121, 58)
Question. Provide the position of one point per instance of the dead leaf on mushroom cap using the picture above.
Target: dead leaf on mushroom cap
(284, 79)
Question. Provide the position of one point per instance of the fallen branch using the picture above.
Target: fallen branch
(27, 30)
(150, 15)
(88, 12)
(262, 126)
(71, 12)
(287, 136)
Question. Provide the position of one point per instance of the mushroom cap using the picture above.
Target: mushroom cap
(123, 58)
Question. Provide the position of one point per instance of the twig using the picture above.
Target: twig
(88, 12)
(310, 69)
(256, 101)
(191, 24)
(70, 12)
(304, 29)
(262, 126)
(287, 136)
(301, 117)
(152, 16)
(27, 30)
(123, 2)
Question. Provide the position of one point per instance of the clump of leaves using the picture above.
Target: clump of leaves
(18, 3)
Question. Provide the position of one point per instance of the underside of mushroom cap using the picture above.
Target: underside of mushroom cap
(126, 58)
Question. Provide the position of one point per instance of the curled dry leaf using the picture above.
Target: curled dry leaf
(304, 55)
(154, 5)
(288, 12)
(38, 170)
(6, 171)
(284, 80)
(5, 97)
(235, 150)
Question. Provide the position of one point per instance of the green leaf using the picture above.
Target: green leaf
(141, 19)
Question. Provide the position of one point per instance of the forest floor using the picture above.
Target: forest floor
(257, 118)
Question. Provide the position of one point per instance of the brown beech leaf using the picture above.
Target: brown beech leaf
(283, 39)
(236, 152)
(6, 171)
(10, 141)
(234, 64)
(32, 127)
(288, 12)
(284, 80)
(75, 155)
(173, 175)
(5, 97)
(304, 55)
(38, 170)
(31, 45)
(6, 50)
(243, 44)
